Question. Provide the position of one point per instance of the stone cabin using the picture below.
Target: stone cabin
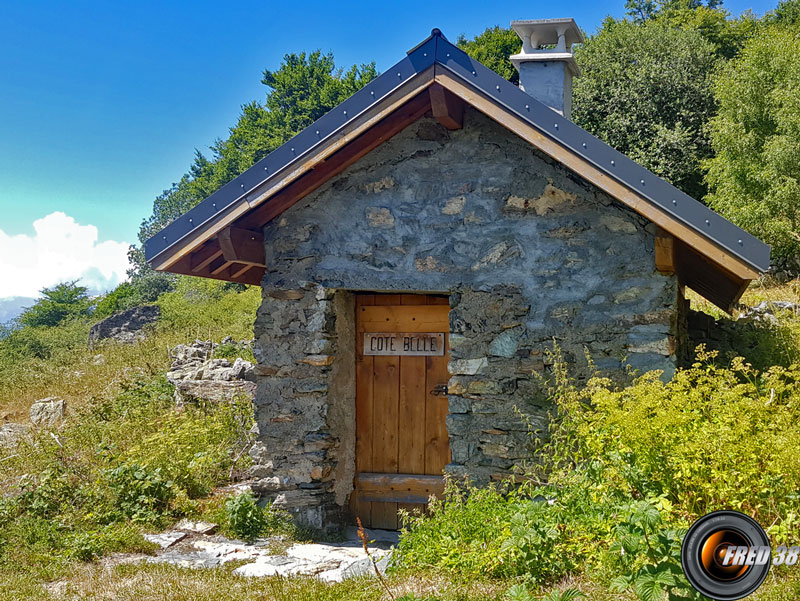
(420, 248)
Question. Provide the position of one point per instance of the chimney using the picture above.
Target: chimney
(546, 73)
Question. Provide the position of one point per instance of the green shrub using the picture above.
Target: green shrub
(690, 440)
(140, 494)
(202, 307)
(624, 473)
(242, 517)
(489, 531)
(246, 519)
(140, 291)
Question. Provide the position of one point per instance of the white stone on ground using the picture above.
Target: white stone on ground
(330, 562)
(165, 539)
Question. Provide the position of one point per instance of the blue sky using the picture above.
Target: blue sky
(103, 103)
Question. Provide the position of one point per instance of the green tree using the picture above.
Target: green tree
(754, 178)
(302, 89)
(642, 10)
(58, 304)
(646, 90)
(725, 33)
(786, 13)
(492, 49)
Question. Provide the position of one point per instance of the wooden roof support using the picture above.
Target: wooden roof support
(665, 252)
(229, 272)
(242, 246)
(205, 256)
(446, 107)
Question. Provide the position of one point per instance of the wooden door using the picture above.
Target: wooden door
(402, 444)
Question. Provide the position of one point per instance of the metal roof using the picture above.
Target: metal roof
(436, 49)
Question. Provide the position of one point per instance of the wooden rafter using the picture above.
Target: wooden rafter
(446, 107)
(664, 252)
(242, 246)
(205, 256)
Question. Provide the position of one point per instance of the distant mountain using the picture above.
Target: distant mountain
(11, 307)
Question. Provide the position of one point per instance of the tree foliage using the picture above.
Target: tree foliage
(492, 49)
(302, 89)
(646, 90)
(60, 303)
(754, 176)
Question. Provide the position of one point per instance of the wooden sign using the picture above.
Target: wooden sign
(416, 344)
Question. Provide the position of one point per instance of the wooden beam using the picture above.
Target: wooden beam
(446, 107)
(391, 125)
(594, 175)
(219, 266)
(242, 246)
(240, 271)
(205, 256)
(398, 488)
(252, 275)
(665, 252)
(706, 278)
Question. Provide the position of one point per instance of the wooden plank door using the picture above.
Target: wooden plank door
(402, 444)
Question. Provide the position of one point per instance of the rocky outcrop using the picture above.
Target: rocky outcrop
(12, 434)
(47, 412)
(125, 326)
(198, 376)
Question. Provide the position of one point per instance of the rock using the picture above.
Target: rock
(196, 527)
(317, 360)
(467, 367)
(165, 539)
(380, 217)
(198, 376)
(213, 390)
(47, 412)
(505, 344)
(125, 326)
(12, 434)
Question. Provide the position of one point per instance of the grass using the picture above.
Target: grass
(198, 309)
(41, 554)
(143, 582)
(760, 342)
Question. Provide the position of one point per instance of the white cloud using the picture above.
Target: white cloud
(60, 250)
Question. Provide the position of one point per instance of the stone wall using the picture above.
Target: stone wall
(529, 254)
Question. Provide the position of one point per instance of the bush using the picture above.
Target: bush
(686, 440)
(140, 291)
(247, 520)
(625, 471)
(115, 466)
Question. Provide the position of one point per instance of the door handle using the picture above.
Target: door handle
(440, 389)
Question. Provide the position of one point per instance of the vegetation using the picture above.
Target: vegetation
(646, 91)
(754, 173)
(624, 472)
(36, 362)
